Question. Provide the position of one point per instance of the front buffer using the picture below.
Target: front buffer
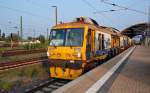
(65, 69)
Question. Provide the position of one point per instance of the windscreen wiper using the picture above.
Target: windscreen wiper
(53, 44)
(70, 44)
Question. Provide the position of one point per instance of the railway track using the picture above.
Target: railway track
(48, 86)
(15, 64)
(20, 52)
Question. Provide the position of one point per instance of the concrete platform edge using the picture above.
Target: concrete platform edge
(74, 82)
(94, 88)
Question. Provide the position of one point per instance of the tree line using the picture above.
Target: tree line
(2, 35)
(16, 38)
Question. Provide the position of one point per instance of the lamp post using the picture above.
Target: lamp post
(55, 14)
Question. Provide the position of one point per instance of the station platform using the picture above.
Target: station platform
(128, 72)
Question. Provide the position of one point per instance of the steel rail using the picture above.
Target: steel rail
(12, 65)
(51, 85)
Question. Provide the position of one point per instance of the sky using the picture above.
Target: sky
(38, 15)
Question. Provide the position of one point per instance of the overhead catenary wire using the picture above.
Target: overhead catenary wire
(40, 17)
(116, 5)
(34, 3)
(109, 11)
(90, 5)
(25, 12)
(96, 10)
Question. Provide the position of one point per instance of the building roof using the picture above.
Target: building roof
(137, 29)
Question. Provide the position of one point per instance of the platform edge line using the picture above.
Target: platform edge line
(95, 87)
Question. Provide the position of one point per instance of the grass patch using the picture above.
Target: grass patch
(34, 46)
(9, 48)
(5, 85)
(22, 76)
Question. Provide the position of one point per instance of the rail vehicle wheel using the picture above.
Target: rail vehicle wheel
(96, 63)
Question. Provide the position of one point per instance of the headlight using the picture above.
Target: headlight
(79, 55)
(47, 53)
(71, 61)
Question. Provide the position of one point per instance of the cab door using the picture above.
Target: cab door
(90, 44)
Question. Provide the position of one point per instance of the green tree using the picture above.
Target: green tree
(29, 38)
(0, 33)
(3, 36)
(13, 36)
(42, 39)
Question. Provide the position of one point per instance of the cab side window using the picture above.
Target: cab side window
(100, 42)
(103, 41)
(89, 37)
(88, 45)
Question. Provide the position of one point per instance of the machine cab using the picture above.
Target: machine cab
(66, 43)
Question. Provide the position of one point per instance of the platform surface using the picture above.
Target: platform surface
(133, 76)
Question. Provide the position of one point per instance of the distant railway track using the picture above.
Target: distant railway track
(46, 87)
(21, 52)
(8, 45)
(15, 64)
